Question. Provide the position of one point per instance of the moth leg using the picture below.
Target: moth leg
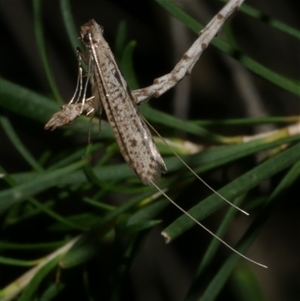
(78, 89)
(89, 108)
(89, 75)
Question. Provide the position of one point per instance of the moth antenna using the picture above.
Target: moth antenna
(206, 229)
(191, 170)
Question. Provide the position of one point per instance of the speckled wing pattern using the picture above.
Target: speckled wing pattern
(129, 127)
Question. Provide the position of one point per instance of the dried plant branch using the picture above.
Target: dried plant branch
(289, 131)
(162, 84)
(186, 64)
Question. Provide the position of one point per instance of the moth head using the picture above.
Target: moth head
(91, 33)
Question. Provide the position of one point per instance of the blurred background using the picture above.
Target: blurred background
(218, 88)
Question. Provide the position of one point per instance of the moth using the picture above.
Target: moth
(111, 93)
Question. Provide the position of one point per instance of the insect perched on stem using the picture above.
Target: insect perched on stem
(110, 93)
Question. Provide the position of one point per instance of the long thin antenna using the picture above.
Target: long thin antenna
(206, 229)
(191, 170)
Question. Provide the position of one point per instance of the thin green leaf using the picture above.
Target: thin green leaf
(17, 262)
(108, 186)
(43, 181)
(99, 205)
(25, 102)
(52, 291)
(83, 221)
(226, 154)
(127, 66)
(30, 290)
(259, 15)
(32, 246)
(211, 251)
(104, 173)
(91, 242)
(173, 122)
(287, 181)
(213, 158)
(68, 158)
(69, 24)
(65, 222)
(86, 249)
(135, 228)
(222, 275)
(120, 41)
(206, 160)
(38, 26)
(249, 121)
(257, 68)
(236, 188)
(17, 143)
(45, 209)
(34, 106)
(148, 212)
(246, 285)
